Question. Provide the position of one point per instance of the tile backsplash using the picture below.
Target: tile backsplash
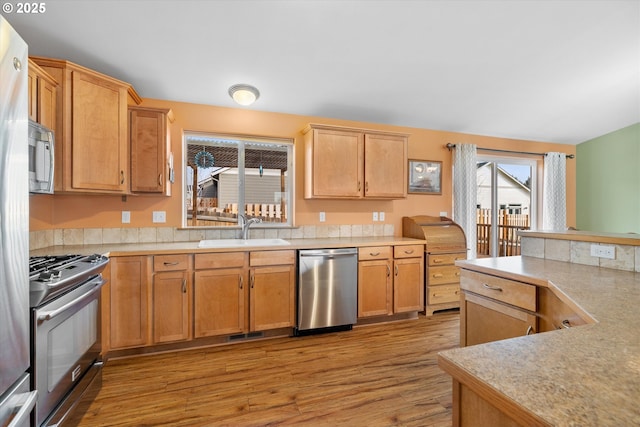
(98, 236)
(627, 257)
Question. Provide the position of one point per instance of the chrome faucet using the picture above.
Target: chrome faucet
(245, 224)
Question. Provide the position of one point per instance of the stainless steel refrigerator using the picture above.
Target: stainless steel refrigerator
(16, 401)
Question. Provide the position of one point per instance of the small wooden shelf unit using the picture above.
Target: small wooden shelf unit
(446, 244)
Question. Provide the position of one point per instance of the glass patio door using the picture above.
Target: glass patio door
(506, 201)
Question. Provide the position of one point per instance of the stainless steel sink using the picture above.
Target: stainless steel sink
(241, 243)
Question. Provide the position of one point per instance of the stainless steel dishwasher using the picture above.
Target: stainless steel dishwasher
(327, 289)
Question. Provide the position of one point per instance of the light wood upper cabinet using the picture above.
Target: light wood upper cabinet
(92, 144)
(42, 96)
(346, 163)
(385, 166)
(150, 142)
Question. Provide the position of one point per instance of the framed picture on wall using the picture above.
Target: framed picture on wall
(425, 177)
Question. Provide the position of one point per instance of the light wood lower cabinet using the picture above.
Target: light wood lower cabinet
(129, 308)
(272, 294)
(555, 314)
(494, 308)
(171, 298)
(390, 280)
(220, 294)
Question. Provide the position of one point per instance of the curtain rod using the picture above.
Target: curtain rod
(495, 150)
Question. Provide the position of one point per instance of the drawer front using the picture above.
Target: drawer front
(408, 251)
(445, 259)
(509, 291)
(170, 262)
(260, 258)
(374, 252)
(443, 294)
(442, 275)
(219, 260)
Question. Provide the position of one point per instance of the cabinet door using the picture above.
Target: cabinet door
(129, 302)
(337, 163)
(171, 296)
(483, 320)
(99, 122)
(385, 166)
(219, 302)
(272, 297)
(148, 133)
(408, 285)
(47, 99)
(374, 288)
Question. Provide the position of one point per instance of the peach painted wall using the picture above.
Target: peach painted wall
(91, 211)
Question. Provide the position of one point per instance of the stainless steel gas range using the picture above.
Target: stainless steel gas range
(65, 333)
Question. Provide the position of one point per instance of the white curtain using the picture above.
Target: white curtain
(465, 193)
(554, 196)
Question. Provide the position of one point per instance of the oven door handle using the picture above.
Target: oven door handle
(25, 410)
(48, 315)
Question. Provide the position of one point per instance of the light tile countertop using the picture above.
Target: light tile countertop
(584, 376)
(125, 249)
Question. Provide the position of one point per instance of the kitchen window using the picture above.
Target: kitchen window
(227, 176)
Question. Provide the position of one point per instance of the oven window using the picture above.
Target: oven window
(70, 340)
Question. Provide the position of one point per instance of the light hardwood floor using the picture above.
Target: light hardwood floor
(380, 375)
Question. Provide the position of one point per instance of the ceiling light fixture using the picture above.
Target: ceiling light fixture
(244, 94)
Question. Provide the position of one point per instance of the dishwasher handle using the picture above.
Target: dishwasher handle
(328, 253)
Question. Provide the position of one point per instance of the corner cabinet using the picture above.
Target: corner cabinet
(349, 163)
(494, 308)
(150, 142)
(42, 96)
(92, 145)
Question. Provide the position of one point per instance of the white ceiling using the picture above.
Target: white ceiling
(562, 71)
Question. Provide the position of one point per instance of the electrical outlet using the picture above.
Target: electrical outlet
(381, 216)
(444, 214)
(159, 216)
(126, 217)
(323, 217)
(375, 216)
(603, 251)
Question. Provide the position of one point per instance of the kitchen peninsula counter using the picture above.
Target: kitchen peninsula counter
(584, 376)
(132, 249)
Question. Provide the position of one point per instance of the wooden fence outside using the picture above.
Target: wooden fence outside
(508, 225)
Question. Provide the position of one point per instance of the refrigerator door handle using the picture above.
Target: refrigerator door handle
(25, 410)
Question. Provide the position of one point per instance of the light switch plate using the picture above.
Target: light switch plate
(381, 216)
(375, 216)
(323, 217)
(126, 217)
(159, 216)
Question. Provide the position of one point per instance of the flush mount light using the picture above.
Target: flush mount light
(244, 94)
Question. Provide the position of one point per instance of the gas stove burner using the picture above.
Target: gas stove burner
(52, 276)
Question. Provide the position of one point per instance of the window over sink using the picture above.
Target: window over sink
(229, 175)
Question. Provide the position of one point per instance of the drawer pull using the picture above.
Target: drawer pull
(565, 324)
(457, 274)
(184, 286)
(170, 264)
(437, 261)
(241, 281)
(437, 275)
(397, 271)
(388, 270)
(374, 253)
(492, 288)
(409, 252)
(529, 330)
